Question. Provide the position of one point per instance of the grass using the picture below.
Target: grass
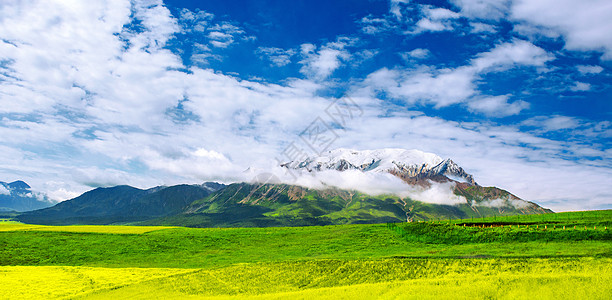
(213, 247)
(405, 261)
(599, 218)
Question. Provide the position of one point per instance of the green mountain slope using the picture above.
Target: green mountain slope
(243, 204)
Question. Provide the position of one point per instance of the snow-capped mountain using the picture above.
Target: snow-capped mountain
(18, 196)
(410, 165)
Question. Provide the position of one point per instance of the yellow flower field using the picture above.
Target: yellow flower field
(12, 226)
(586, 278)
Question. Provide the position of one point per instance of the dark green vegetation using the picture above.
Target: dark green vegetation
(571, 226)
(214, 247)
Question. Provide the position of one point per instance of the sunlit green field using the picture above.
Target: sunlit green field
(386, 261)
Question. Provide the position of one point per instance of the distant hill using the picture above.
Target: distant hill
(120, 204)
(18, 196)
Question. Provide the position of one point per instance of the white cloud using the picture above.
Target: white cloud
(535, 32)
(585, 25)
(277, 56)
(440, 13)
(435, 19)
(507, 55)
(497, 106)
(373, 26)
(586, 69)
(429, 25)
(444, 87)
(395, 8)
(483, 9)
(437, 193)
(194, 21)
(320, 64)
(580, 87)
(478, 27)
(224, 34)
(553, 123)
(418, 53)
(4, 190)
(499, 203)
(369, 183)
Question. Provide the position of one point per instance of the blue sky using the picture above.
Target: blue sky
(163, 92)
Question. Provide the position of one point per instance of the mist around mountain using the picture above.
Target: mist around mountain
(18, 196)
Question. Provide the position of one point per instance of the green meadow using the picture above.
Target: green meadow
(563, 256)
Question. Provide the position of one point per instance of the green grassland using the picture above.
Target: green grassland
(442, 259)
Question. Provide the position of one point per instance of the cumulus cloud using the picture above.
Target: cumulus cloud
(507, 55)
(497, 106)
(580, 87)
(587, 70)
(483, 9)
(446, 86)
(480, 28)
(418, 53)
(435, 19)
(321, 63)
(585, 25)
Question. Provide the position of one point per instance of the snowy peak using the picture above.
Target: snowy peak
(453, 171)
(405, 164)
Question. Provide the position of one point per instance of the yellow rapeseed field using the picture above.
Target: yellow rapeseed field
(42, 282)
(585, 278)
(12, 226)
